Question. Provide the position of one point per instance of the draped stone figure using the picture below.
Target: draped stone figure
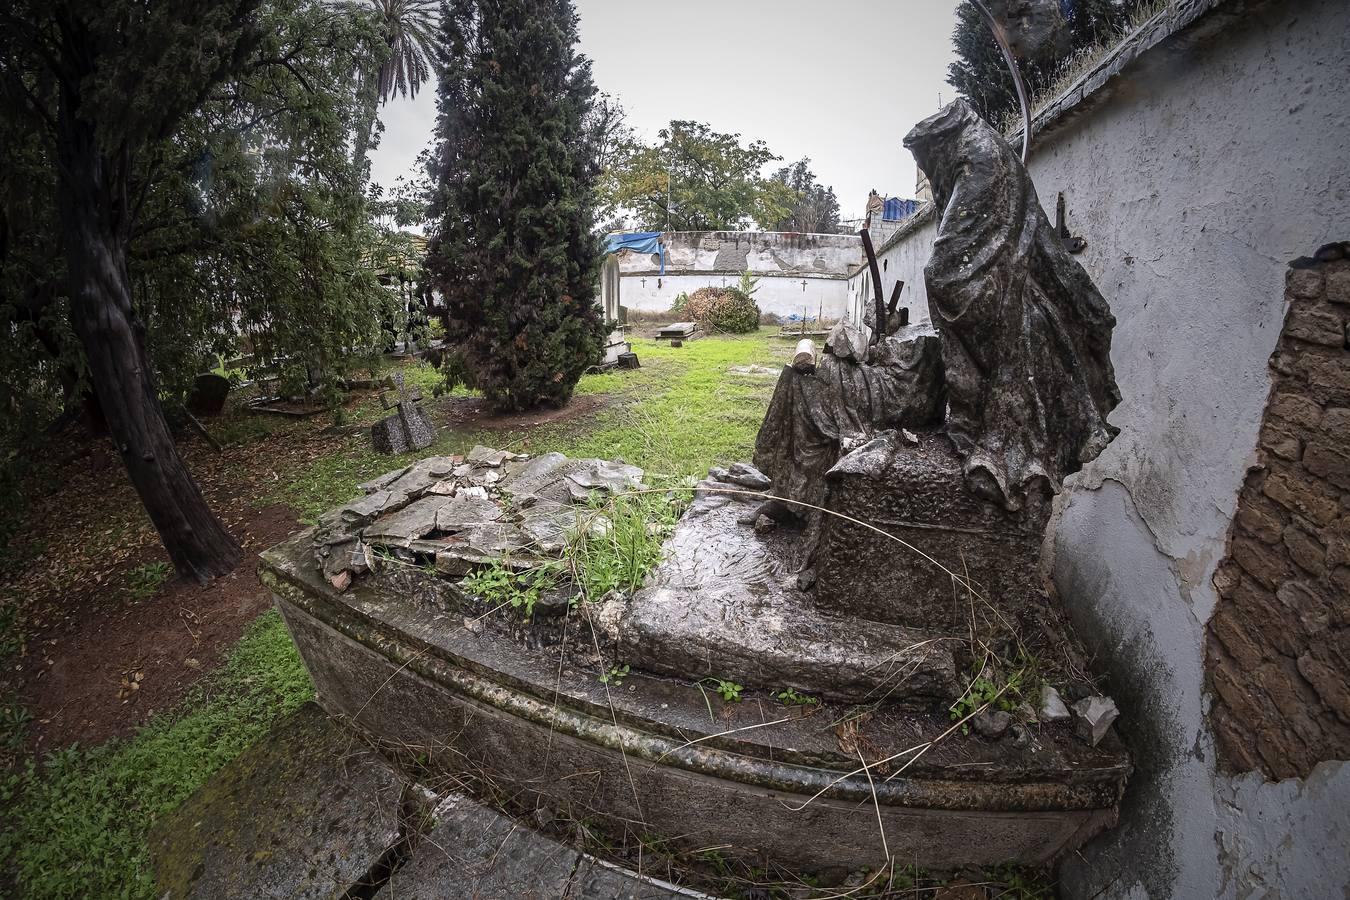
(856, 392)
(1026, 336)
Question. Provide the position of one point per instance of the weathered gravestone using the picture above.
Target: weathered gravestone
(408, 428)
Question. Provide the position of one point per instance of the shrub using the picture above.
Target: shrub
(723, 309)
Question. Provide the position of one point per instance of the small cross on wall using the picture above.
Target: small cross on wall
(803, 284)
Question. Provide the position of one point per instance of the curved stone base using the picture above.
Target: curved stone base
(668, 760)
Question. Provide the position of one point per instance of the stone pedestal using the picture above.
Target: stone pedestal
(960, 555)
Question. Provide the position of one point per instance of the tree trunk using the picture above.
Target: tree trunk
(91, 194)
(365, 126)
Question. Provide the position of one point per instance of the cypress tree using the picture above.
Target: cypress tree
(980, 74)
(513, 253)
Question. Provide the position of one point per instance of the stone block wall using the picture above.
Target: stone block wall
(1278, 647)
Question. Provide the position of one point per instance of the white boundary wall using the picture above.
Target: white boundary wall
(783, 295)
(1201, 157)
(798, 273)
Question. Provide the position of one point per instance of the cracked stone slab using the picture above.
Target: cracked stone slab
(527, 478)
(416, 520)
(305, 813)
(726, 602)
(487, 456)
(476, 852)
(466, 511)
(602, 475)
(547, 524)
(415, 479)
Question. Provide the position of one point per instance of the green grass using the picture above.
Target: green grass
(77, 823)
(686, 411)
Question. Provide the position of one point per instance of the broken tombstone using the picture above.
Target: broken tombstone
(408, 428)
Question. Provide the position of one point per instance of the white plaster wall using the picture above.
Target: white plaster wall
(784, 295)
(902, 261)
(1207, 170)
(762, 252)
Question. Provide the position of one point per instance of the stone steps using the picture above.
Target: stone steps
(311, 813)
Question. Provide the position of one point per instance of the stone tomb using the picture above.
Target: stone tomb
(856, 622)
(407, 655)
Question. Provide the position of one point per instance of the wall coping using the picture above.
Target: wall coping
(1174, 27)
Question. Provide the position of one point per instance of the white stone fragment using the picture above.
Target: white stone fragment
(1095, 715)
(1052, 706)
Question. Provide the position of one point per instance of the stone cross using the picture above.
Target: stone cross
(408, 428)
(398, 393)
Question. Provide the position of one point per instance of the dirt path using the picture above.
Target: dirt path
(80, 688)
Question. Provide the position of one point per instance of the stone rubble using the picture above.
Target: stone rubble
(1093, 717)
(463, 512)
(1053, 708)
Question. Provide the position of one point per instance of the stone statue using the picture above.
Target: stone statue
(1026, 337)
(856, 392)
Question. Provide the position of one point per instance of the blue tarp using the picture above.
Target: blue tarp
(897, 209)
(639, 242)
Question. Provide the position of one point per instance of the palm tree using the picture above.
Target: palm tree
(408, 28)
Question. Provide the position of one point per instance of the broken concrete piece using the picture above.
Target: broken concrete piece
(308, 812)
(445, 488)
(487, 456)
(547, 524)
(383, 481)
(524, 477)
(602, 475)
(1052, 706)
(1094, 717)
(341, 581)
(846, 341)
(416, 520)
(466, 511)
(992, 725)
(764, 524)
(747, 476)
(496, 538)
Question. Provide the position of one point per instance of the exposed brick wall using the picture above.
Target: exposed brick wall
(1278, 655)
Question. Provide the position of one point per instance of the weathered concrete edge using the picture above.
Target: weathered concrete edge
(1036, 838)
(429, 663)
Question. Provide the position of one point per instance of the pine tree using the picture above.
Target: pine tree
(514, 254)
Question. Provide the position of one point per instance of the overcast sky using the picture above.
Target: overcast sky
(840, 81)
